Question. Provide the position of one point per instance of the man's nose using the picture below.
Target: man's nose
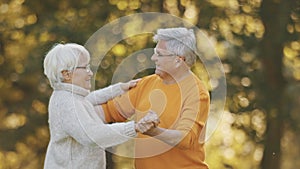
(153, 57)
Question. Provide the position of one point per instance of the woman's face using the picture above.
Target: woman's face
(82, 74)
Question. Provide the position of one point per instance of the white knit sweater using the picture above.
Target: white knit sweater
(78, 136)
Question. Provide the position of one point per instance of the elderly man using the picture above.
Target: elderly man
(178, 96)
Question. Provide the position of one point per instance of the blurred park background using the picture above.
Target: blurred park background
(257, 41)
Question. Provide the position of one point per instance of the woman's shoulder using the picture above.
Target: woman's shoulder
(63, 98)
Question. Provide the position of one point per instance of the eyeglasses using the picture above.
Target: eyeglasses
(87, 68)
(162, 55)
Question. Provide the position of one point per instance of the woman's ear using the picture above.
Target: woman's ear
(67, 75)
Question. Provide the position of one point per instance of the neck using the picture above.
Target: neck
(177, 77)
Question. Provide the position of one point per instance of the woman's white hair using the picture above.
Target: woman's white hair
(62, 57)
(180, 41)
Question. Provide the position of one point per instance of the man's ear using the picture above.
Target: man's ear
(67, 75)
(181, 58)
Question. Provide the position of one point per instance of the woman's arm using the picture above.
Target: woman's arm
(101, 96)
(79, 121)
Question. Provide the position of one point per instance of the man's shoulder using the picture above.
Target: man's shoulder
(194, 85)
(150, 78)
(199, 82)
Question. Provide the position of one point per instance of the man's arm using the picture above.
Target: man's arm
(189, 126)
(122, 107)
(169, 136)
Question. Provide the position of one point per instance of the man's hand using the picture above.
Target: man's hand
(148, 122)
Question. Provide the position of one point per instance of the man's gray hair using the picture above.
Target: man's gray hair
(62, 57)
(180, 41)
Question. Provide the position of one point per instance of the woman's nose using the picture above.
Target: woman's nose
(91, 73)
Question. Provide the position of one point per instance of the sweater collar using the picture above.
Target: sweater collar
(71, 88)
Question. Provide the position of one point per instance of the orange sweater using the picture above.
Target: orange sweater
(183, 106)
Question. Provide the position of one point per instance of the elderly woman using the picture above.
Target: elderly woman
(78, 135)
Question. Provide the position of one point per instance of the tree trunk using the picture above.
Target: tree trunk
(275, 16)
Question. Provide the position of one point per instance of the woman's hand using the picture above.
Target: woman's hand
(128, 85)
(148, 122)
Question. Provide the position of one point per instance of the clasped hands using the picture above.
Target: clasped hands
(148, 122)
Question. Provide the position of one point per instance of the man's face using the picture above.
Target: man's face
(164, 60)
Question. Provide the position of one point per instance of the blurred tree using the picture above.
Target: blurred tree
(276, 16)
(28, 30)
(257, 41)
(260, 32)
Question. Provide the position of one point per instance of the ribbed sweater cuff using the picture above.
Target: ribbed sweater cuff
(130, 129)
(116, 90)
